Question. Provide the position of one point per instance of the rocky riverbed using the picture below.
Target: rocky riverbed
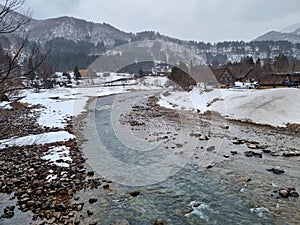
(40, 189)
(257, 164)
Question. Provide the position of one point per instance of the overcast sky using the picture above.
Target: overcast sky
(201, 20)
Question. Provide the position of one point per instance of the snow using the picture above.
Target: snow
(118, 76)
(37, 139)
(5, 105)
(61, 153)
(61, 103)
(275, 107)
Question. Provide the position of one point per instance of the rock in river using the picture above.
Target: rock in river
(276, 170)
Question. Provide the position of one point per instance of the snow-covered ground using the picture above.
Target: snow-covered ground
(57, 153)
(37, 139)
(60, 103)
(5, 105)
(276, 107)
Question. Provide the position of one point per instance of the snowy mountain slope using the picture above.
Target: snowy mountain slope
(76, 30)
(278, 36)
(291, 29)
(290, 33)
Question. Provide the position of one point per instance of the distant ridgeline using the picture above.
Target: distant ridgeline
(74, 42)
(66, 54)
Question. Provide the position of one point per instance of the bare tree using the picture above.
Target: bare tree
(11, 67)
(10, 19)
(37, 72)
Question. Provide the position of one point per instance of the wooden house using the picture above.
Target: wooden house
(279, 80)
(204, 75)
(224, 76)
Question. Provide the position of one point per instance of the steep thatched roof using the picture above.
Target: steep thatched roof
(203, 74)
(279, 79)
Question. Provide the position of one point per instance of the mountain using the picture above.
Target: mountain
(291, 29)
(290, 33)
(76, 42)
(75, 30)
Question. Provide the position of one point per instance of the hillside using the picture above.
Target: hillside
(76, 42)
(290, 33)
(76, 30)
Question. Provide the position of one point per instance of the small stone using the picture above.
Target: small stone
(211, 148)
(8, 214)
(10, 208)
(276, 170)
(135, 193)
(106, 186)
(237, 142)
(57, 215)
(158, 222)
(90, 173)
(39, 192)
(251, 153)
(294, 194)
(252, 146)
(90, 212)
(209, 166)
(30, 203)
(267, 151)
(284, 193)
(233, 152)
(203, 138)
(61, 207)
(79, 207)
(92, 200)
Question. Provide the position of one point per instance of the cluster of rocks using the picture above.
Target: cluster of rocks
(21, 121)
(257, 149)
(39, 186)
(288, 192)
(24, 173)
(141, 114)
(8, 212)
(291, 153)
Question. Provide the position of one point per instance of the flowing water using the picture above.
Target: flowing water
(189, 196)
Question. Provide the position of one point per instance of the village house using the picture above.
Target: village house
(224, 76)
(280, 80)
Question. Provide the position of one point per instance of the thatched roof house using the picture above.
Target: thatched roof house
(279, 79)
(224, 76)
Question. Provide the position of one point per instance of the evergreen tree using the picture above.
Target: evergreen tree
(77, 74)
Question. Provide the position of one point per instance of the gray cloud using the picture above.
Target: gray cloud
(205, 20)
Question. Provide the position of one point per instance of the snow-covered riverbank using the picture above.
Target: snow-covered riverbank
(275, 107)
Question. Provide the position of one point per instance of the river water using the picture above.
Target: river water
(187, 196)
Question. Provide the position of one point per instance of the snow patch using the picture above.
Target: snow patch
(5, 105)
(37, 139)
(58, 154)
(275, 107)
